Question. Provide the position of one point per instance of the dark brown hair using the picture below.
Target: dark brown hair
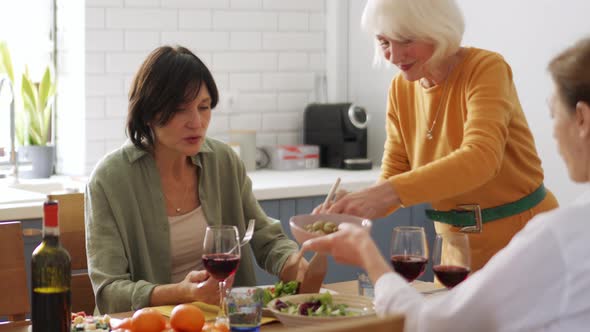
(168, 78)
(571, 73)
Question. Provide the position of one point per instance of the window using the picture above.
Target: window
(27, 26)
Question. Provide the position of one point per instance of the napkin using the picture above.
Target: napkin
(209, 310)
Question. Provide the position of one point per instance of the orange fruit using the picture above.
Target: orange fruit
(148, 320)
(187, 318)
(220, 327)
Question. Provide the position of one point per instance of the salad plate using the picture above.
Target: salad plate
(312, 309)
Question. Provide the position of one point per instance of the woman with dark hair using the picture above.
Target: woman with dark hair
(149, 202)
(539, 282)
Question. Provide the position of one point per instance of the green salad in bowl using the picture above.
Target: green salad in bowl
(278, 290)
(311, 309)
(321, 305)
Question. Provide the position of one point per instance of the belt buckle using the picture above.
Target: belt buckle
(476, 209)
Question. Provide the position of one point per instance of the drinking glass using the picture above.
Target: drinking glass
(244, 308)
(451, 259)
(221, 257)
(409, 252)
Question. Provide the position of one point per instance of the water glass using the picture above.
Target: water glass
(244, 309)
(365, 286)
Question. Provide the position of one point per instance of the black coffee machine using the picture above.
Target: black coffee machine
(341, 132)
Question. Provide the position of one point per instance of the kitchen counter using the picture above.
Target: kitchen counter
(24, 200)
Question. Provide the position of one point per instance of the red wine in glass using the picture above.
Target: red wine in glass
(450, 275)
(408, 266)
(409, 252)
(221, 266)
(221, 257)
(451, 259)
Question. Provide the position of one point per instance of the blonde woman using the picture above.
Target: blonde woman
(456, 133)
(539, 282)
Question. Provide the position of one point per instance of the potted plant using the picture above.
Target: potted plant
(33, 118)
(33, 127)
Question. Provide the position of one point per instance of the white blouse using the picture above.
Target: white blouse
(539, 282)
(187, 233)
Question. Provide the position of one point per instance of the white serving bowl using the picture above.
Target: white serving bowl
(298, 223)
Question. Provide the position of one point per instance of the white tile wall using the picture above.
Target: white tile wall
(264, 54)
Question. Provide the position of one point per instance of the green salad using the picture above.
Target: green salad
(321, 305)
(279, 289)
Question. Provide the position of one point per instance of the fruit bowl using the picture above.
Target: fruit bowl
(298, 224)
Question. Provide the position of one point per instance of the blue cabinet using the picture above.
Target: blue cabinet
(284, 209)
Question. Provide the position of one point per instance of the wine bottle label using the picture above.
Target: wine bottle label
(50, 211)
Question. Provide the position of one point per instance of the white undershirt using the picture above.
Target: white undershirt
(539, 282)
(187, 233)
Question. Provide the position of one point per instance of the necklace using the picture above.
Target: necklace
(178, 209)
(440, 102)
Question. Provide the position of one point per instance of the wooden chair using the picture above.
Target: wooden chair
(14, 298)
(73, 238)
(394, 323)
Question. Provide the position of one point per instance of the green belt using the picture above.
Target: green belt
(463, 218)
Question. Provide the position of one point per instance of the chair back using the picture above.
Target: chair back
(14, 298)
(73, 238)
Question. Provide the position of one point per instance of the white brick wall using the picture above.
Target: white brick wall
(264, 54)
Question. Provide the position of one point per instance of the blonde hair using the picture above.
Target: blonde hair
(439, 22)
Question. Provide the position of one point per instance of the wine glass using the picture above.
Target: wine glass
(409, 252)
(451, 259)
(221, 257)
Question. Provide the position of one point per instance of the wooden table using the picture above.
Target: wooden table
(346, 287)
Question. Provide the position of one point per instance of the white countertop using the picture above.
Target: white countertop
(24, 200)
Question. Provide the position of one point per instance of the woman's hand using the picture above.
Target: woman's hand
(373, 202)
(200, 286)
(351, 245)
(196, 286)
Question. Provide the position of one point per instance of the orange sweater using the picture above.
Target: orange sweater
(482, 150)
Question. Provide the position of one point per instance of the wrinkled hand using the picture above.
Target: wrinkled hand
(323, 208)
(346, 245)
(373, 202)
(351, 245)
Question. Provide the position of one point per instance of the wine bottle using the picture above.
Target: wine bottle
(50, 278)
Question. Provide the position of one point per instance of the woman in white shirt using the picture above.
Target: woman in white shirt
(539, 282)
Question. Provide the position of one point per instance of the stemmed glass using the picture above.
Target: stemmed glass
(451, 259)
(221, 257)
(409, 252)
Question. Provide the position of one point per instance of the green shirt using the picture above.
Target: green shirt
(127, 230)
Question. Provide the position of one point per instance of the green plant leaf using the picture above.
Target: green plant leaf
(38, 99)
(30, 101)
(6, 61)
(44, 89)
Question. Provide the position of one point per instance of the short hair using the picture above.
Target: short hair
(169, 77)
(439, 22)
(570, 71)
